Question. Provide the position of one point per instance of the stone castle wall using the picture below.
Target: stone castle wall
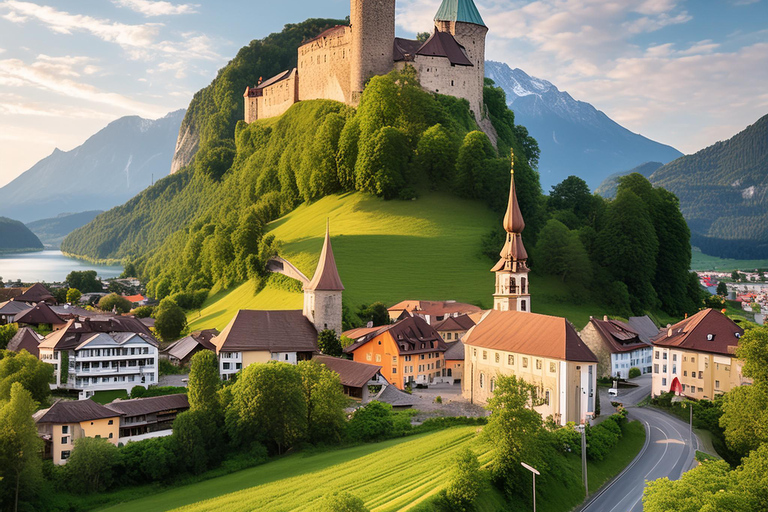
(323, 308)
(373, 36)
(278, 97)
(251, 109)
(324, 67)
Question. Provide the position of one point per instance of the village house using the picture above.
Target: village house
(25, 339)
(180, 352)
(543, 350)
(409, 351)
(144, 418)
(40, 315)
(356, 377)
(618, 347)
(454, 328)
(34, 294)
(66, 421)
(454, 362)
(431, 311)
(256, 336)
(9, 309)
(695, 357)
(101, 353)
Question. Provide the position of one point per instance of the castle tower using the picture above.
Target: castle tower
(373, 34)
(462, 19)
(322, 296)
(512, 292)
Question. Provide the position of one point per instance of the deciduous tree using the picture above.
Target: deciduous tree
(325, 401)
(27, 370)
(115, 302)
(170, 320)
(204, 382)
(329, 343)
(73, 295)
(20, 463)
(90, 467)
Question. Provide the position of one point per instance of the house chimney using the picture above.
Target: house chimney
(669, 330)
(605, 318)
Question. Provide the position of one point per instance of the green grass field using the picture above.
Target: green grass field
(392, 475)
(104, 397)
(701, 261)
(389, 251)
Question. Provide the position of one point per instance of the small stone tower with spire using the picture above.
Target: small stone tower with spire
(322, 295)
(512, 292)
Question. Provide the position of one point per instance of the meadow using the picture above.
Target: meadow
(701, 261)
(388, 251)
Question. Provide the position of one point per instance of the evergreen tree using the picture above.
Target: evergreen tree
(722, 289)
(472, 165)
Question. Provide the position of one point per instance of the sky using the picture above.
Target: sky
(685, 73)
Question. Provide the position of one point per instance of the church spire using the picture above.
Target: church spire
(511, 270)
(326, 275)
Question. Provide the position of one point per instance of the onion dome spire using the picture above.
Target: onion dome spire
(513, 254)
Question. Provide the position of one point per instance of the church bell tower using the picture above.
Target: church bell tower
(322, 295)
(512, 292)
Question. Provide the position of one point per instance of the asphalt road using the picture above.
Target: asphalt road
(668, 452)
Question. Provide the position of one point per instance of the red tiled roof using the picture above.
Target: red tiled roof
(326, 275)
(693, 333)
(358, 332)
(434, 307)
(529, 333)
(134, 298)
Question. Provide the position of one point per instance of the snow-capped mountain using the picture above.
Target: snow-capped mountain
(574, 137)
(109, 168)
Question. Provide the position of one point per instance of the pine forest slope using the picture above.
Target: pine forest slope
(723, 192)
(16, 237)
(112, 166)
(389, 251)
(574, 137)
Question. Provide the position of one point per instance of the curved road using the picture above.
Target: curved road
(668, 452)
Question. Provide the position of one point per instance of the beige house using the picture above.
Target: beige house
(66, 421)
(454, 328)
(541, 349)
(695, 357)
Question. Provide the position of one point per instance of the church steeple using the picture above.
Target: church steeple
(512, 269)
(322, 295)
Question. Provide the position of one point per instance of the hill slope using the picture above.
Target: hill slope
(109, 168)
(610, 185)
(723, 192)
(52, 231)
(574, 137)
(16, 237)
(389, 251)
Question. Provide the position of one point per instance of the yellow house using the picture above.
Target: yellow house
(543, 350)
(695, 357)
(66, 421)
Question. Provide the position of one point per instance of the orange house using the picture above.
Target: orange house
(409, 352)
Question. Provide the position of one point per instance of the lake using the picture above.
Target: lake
(49, 266)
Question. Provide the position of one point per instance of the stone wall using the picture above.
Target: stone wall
(373, 36)
(278, 97)
(324, 67)
(595, 342)
(251, 109)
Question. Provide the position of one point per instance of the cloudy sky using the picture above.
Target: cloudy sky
(683, 73)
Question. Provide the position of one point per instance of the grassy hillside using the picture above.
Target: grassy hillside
(701, 261)
(52, 231)
(16, 237)
(388, 251)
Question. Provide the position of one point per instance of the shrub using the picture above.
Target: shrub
(464, 485)
(143, 311)
(634, 372)
(115, 302)
(371, 423)
(438, 399)
(91, 465)
(342, 501)
(568, 438)
(141, 392)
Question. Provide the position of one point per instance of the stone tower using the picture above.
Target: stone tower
(373, 33)
(322, 295)
(462, 19)
(512, 292)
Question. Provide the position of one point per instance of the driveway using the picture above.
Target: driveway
(668, 452)
(627, 396)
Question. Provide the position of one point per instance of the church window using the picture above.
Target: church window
(496, 359)
(552, 367)
(482, 380)
(525, 362)
(510, 360)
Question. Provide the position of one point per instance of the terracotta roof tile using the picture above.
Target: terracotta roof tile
(694, 332)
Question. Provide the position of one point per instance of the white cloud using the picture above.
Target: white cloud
(54, 76)
(157, 8)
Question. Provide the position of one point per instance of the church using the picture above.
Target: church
(336, 64)
(543, 350)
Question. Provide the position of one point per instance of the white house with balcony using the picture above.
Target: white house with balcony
(101, 354)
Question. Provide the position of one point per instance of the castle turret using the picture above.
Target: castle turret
(373, 36)
(512, 292)
(322, 296)
(462, 20)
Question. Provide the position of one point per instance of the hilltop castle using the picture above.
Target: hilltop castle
(336, 64)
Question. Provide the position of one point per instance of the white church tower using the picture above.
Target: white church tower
(322, 295)
(512, 292)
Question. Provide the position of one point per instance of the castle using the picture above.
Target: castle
(336, 64)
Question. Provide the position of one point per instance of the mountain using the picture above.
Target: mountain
(16, 237)
(574, 137)
(52, 231)
(723, 192)
(109, 168)
(609, 186)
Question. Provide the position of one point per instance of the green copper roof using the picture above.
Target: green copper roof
(459, 10)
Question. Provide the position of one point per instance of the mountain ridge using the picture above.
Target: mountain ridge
(109, 168)
(574, 136)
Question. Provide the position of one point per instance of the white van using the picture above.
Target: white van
(613, 392)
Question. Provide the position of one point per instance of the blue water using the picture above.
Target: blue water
(49, 266)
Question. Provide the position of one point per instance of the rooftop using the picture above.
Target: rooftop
(619, 336)
(455, 351)
(326, 274)
(412, 335)
(25, 339)
(455, 323)
(529, 333)
(351, 373)
(273, 331)
(79, 329)
(73, 411)
(707, 331)
(459, 10)
(40, 313)
(150, 405)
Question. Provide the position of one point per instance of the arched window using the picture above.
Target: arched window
(493, 384)
(482, 380)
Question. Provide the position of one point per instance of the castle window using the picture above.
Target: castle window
(451, 83)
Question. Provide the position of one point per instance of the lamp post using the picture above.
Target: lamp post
(535, 472)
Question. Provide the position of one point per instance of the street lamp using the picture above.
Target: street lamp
(535, 472)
